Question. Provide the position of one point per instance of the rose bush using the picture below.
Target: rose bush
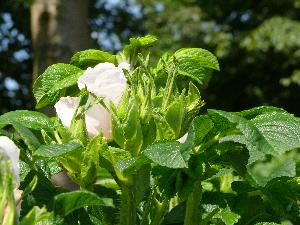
(133, 135)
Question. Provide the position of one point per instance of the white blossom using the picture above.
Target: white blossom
(104, 80)
(9, 151)
(183, 138)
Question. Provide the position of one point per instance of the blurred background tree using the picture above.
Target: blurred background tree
(257, 43)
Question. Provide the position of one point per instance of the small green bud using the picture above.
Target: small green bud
(78, 129)
(127, 131)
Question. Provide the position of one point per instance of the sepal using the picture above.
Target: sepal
(127, 131)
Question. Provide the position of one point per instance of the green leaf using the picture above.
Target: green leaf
(117, 128)
(241, 187)
(66, 203)
(131, 165)
(147, 40)
(56, 78)
(267, 134)
(284, 194)
(270, 133)
(268, 223)
(137, 45)
(30, 187)
(36, 216)
(55, 150)
(90, 160)
(193, 105)
(110, 156)
(128, 133)
(24, 170)
(29, 119)
(163, 129)
(91, 57)
(131, 123)
(251, 113)
(42, 194)
(220, 173)
(166, 154)
(281, 130)
(28, 137)
(193, 97)
(196, 63)
(227, 216)
(264, 172)
(4, 133)
(200, 127)
(174, 115)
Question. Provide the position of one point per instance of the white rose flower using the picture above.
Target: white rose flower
(104, 80)
(9, 151)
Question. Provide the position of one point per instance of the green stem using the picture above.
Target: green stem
(145, 218)
(57, 137)
(3, 201)
(128, 205)
(206, 145)
(160, 212)
(193, 214)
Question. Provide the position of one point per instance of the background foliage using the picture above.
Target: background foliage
(256, 43)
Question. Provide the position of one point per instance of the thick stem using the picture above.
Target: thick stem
(147, 209)
(128, 205)
(193, 214)
(160, 212)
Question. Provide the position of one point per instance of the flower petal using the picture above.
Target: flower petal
(98, 119)
(124, 65)
(105, 80)
(183, 138)
(9, 151)
(65, 109)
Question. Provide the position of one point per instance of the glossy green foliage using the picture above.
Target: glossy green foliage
(51, 85)
(56, 150)
(166, 154)
(35, 216)
(91, 57)
(167, 162)
(29, 119)
(66, 203)
(196, 63)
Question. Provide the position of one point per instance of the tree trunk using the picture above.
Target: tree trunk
(59, 29)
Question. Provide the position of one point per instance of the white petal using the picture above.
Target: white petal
(9, 151)
(105, 80)
(183, 138)
(98, 119)
(65, 109)
(90, 75)
(124, 65)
